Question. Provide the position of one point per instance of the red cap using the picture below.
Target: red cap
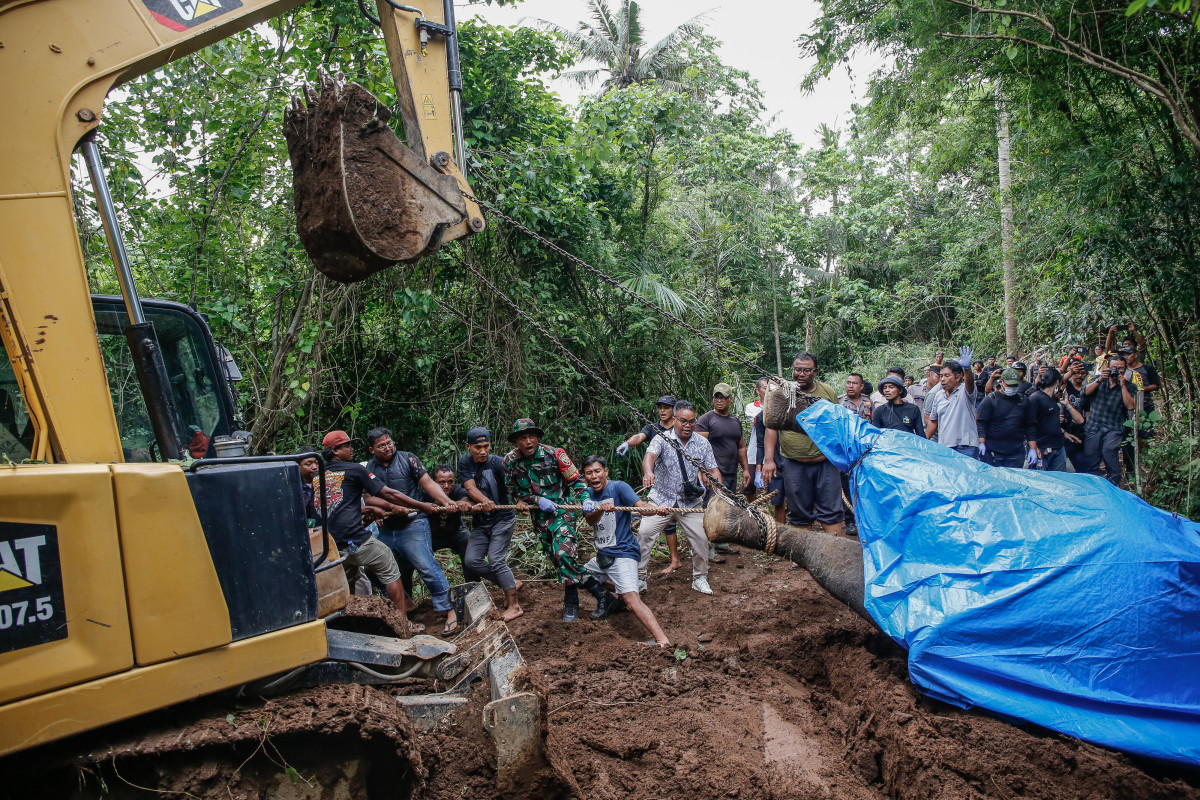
(334, 438)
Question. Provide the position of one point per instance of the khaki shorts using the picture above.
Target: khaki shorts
(376, 558)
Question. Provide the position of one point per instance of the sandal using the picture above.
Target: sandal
(449, 628)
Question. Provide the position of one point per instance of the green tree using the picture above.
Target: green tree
(617, 41)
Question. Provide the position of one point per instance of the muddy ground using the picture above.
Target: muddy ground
(775, 691)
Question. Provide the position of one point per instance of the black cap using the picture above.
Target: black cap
(665, 400)
(1019, 365)
(894, 381)
(477, 435)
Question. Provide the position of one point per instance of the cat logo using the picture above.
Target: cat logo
(32, 610)
(21, 563)
(179, 15)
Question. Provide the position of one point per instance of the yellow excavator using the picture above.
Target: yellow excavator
(132, 577)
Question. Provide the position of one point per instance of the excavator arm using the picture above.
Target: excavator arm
(60, 59)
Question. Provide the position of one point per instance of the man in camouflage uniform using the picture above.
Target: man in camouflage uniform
(543, 476)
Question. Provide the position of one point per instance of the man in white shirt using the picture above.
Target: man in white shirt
(952, 417)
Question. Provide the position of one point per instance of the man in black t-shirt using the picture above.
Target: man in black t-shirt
(724, 432)
(482, 476)
(446, 529)
(665, 406)
(346, 483)
(1044, 415)
(1075, 405)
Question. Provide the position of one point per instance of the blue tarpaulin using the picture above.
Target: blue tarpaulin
(1044, 596)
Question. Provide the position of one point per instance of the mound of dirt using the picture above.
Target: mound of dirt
(772, 690)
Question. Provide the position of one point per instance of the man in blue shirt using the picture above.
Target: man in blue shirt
(617, 549)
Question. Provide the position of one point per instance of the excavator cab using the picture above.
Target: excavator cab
(197, 379)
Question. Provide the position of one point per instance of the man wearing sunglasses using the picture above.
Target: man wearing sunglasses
(812, 485)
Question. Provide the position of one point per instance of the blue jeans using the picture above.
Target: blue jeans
(968, 450)
(413, 547)
(1015, 461)
(1055, 461)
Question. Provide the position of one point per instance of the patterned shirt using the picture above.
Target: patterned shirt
(549, 473)
(862, 407)
(1106, 411)
(667, 480)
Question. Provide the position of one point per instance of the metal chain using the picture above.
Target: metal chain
(591, 373)
(710, 341)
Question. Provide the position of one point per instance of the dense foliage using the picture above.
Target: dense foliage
(885, 233)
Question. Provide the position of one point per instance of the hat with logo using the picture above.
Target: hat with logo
(334, 439)
(524, 425)
(478, 434)
(1017, 365)
(723, 388)
(1010, 376)
(665, 400)
(892, 380)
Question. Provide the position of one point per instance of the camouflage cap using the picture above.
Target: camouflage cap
(525, 425)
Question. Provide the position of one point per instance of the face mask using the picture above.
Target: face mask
(1010, 390)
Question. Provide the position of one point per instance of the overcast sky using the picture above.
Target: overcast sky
(758, 36)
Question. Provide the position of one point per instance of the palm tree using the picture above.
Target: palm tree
(615, 40)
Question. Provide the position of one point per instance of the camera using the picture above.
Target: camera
(1114, 373)
(1124, 326)
(1082, 351)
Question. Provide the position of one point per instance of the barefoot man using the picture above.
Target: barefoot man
(482, 475)
(617, 549)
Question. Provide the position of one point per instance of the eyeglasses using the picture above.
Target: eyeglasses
(686, 423)
(804, 370)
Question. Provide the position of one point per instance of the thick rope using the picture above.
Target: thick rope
(521, 508)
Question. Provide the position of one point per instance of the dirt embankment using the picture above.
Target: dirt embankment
(775, 690)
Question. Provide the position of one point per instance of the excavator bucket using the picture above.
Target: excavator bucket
(364, 201)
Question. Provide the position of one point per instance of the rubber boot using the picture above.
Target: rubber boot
(606, 602)
(571, 603)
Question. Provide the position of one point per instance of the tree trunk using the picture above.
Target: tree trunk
(1004, 161)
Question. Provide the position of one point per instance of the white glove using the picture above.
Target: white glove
(1031, 457)
(545, 504)
(622, 448)
(965, 355)
(589, 505)
(758, 481)
(982, 449)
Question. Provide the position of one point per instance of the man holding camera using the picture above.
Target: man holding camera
(674, 482)
(1110, 401)
(1125, 335)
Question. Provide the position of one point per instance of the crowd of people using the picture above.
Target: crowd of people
(1074, 414)
(389, 514)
